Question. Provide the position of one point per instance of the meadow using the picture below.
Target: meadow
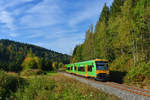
(51, 86)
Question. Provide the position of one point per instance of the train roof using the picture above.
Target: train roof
(88, 61)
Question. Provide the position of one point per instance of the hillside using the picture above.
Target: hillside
(121, 35)
(13, 53)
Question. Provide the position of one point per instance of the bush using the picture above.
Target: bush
(39, 88)
(8, 84)
(139, 73)
(30, 72)
(122, 64)
(31, 61)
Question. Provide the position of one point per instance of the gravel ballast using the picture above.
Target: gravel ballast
(125, 95)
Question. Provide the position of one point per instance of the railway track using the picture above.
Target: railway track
(122, 87)
(130, 89)
(135, 90)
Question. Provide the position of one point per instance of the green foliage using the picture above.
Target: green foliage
(46, 65)
(116, 7)
(122, 63)
(53, 86)
(121, 35)
(39, 88)
(31, 61)
(32, 72)
(59, 87)
(8, 84)
(139, 73)
(12, 54)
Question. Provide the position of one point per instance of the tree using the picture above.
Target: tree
(31, 61)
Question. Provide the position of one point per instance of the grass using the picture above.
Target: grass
(55, 86)
(51, 73)
(52, 86)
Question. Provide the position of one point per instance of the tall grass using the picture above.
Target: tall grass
(39, 88)
(47, 87)
(59, 87)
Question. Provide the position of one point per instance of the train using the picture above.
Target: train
(97, 69)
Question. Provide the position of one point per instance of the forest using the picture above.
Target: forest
(14, 55)
(121, 35)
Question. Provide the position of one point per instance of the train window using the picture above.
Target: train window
(90, 68)
(75, 68)
(81, 68)
(68, 68)
(71, 67)
(78, 68)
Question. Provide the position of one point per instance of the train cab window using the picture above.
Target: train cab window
(90, 68)
(101, 65)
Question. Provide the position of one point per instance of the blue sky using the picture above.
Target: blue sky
(58, 25)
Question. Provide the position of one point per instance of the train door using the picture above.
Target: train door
(86, 70)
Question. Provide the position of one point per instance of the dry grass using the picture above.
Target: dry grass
(74, 90)
(59, 87)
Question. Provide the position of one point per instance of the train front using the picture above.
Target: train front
(102, 72)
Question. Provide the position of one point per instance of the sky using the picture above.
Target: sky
(57, 25)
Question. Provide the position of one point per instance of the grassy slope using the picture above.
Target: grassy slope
(58, 87)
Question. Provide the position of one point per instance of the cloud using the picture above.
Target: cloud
(63, 44)
(5, 4)
(45, 13)
(7, 19)
(13, 34)
(56, 24)
(88, 12)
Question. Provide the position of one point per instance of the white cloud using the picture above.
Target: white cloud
(11, 3)
(47, 22)
(7, 19)
(89, 11)
(46, 13)
(13, 34)
(63, 44)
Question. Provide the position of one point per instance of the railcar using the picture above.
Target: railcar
(97, 68)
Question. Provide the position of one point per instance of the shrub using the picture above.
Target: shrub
(30, 72)
(8, 84)
(139, 73)
(31, 61)
(39, 88)
(122, 64)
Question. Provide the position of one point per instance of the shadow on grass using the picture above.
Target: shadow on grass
(117, 76)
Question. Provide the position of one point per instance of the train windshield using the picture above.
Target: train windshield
(101, 65)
